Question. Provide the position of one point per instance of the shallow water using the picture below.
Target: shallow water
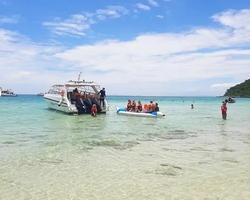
(190, 154)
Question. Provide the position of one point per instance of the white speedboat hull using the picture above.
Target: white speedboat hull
(121, 111)
(59, 103)
(8, 95)
(75, 97)
(56, 102)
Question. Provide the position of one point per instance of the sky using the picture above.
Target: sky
(130, 47)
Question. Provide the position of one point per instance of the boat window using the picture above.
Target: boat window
(87, 89)
(56, 89)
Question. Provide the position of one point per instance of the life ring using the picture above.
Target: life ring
(62, 93)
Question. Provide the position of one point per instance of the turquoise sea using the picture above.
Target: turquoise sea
(190, 154)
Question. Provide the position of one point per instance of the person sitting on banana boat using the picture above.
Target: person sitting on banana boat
(151, 107)
(128, 106)
(157, 109)
(139, 107)
(133, 106)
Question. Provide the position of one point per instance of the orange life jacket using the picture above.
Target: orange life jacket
(145, 106)
(93, 111)
(152, 107)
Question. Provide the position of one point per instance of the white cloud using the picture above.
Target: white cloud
(101, 17)
(142, 6)
(234, 19)
(74, 26)
(160, 16)
(223, 85)
(161, 64)
(153, 3)
(77, 24)
(113, 11)
(170, 54)
(20, 56)
(13, 19)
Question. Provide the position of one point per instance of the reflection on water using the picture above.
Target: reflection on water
(187, 155)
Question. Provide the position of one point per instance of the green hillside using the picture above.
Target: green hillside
(240, 90)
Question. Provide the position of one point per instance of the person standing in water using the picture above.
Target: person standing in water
(102, 96)
(224, 111)
(94, 110)
(192, 106)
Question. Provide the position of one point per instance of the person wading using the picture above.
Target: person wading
(224, 111)
(94, 110)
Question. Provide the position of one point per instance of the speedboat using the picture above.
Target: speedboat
(230, 100)
(7, 93)
(75, 97)
(40, 94)
(122, 111)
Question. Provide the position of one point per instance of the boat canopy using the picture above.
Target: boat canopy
(81, 85)
(88, 88)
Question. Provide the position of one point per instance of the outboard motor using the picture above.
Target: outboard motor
(88, 105)
(80, 106)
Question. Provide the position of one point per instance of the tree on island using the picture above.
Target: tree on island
(240, 90)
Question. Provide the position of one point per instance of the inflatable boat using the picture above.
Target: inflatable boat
(153, 114)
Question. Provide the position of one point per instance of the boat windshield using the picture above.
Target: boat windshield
(56, 89)
(90, 89)
(6, 92)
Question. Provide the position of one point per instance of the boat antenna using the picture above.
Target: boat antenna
(79, 76)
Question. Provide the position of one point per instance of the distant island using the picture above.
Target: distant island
(241, 90)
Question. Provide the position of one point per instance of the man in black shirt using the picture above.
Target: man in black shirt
(102, 96)
(156, 107)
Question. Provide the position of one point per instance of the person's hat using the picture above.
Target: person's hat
(94, 105)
